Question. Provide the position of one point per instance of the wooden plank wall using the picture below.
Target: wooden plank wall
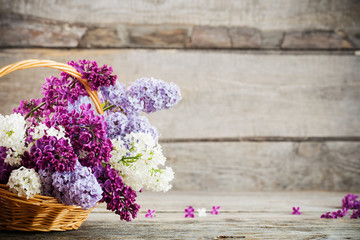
(271, 89)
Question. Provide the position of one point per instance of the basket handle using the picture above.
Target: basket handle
(33, 63)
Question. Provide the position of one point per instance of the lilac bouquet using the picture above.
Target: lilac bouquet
(60, 146)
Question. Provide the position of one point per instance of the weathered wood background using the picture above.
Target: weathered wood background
(271, 89)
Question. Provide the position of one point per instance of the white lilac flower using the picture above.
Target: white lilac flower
(24, 182)
(42, 130)
(202, 212)
(12, 136)
(137, 158)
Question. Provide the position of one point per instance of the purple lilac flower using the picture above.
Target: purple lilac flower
(95, 75)
(50, 153)
(79, 187)
(350, 202)
(118, 125)
(189, 212)
(215, 210)
(5, 169)
(296, 211)
(355, 214)
(150, 214)
(25, 108)
(87, 134)
(336, 214)
(119, 198)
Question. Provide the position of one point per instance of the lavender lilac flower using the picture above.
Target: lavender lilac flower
(146, 94)
(119, 125)
(153, 94)
(79, 187)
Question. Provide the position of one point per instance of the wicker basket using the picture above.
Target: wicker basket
(41, 213)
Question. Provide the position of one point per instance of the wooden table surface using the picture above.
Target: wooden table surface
(247, 215)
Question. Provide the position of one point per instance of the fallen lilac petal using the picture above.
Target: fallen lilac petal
(296, 211)
(189, 212)
(150, 214)
(215, 210)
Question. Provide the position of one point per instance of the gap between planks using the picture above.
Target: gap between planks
(255, 51)
(265, 139)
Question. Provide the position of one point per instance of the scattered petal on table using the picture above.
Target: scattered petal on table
(202, 212)
(215, 210)
(150, 214)
(189, 212)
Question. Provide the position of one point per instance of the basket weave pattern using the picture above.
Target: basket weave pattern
(41, 213)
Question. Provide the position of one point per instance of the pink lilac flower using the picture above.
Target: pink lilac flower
(296, 211)
(215, 210)
(189, 212)
(150, 214)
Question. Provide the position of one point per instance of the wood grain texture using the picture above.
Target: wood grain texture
(245, 215)
(265, 15)
(225, 93)
(254, 166)
(245, 24)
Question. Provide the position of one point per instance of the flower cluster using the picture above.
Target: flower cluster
(12, 136)
(59, 146)
(137, 159)
(24, 182)
(95, 75)
(146, 95)
(119, 197)
(349, 202)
